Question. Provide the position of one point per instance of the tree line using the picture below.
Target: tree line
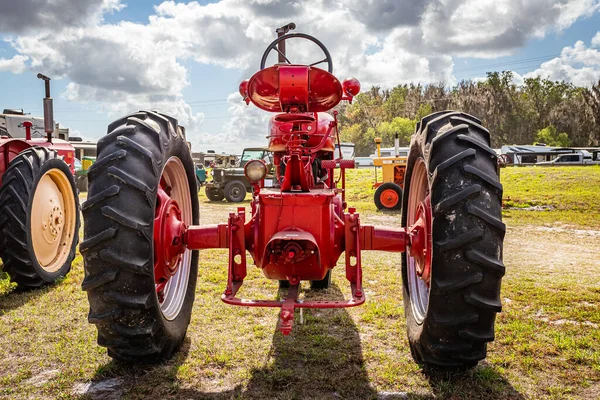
(539, 111)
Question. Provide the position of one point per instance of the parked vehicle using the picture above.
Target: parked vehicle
(200, 175)
(388, 195)
(231, 183)
(347, 150)
(362, 162)
(81, 173)
(582, 157)
(39, 206)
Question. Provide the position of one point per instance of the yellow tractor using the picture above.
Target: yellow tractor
(388, 195)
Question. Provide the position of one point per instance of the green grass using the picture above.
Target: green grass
(567, 195)
(546, 338)
(547, 196)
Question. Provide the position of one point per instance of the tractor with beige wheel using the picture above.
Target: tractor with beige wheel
(39, 208)
(142, 235)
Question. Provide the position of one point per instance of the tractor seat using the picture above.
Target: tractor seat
(295, 89)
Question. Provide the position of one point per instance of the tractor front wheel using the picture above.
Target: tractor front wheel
(453, 268)
(39, 218)
(388, 196)
(214, 194)
(235, 191)
(139, 277)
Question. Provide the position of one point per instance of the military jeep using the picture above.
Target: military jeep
(231, 183)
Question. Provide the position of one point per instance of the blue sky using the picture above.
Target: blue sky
(85, 104)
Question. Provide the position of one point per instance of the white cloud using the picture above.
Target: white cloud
(577, 64)
(16, 65)
(130, 66)
(596, 40)
(493, 28)
(247, 127)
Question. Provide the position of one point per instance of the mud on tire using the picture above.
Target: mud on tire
(19, 186)
(118, 246)
(467, 235)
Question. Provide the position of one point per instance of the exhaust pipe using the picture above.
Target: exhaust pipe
(397, 145)
(48, 109)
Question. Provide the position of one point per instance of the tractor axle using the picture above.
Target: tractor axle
(236, 235)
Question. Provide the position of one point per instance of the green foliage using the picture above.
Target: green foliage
(362, 138)
(423, 111)
(513, 114)
(550, 136)
(403, 126)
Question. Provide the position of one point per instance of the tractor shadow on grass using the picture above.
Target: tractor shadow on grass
(321, 359)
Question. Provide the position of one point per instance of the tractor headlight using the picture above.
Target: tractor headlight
(255, 170)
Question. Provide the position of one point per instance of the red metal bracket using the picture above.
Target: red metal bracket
(237, 270)
(289, 305)
(237, 250)
(352, 251)
(356, 238)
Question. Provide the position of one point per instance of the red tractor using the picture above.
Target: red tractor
(141, 232)
(39, 207)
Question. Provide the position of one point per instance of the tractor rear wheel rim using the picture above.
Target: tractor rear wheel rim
(419, 256)
(173, 214)
(389, 198)
(53, 220)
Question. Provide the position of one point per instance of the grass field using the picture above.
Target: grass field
(547, 338)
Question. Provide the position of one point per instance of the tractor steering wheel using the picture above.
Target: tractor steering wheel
(273, 46)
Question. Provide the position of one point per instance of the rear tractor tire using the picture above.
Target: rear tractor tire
(39, 218)
(235, 191)
(452, 293)
(143, 164)
(388, 196)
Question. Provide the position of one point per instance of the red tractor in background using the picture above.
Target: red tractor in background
(39, 207)
(141, 232)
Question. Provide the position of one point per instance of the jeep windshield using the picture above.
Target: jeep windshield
(251, 155)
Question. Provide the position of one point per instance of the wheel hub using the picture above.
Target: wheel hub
(389, 198)
(420, 240)
(52, 221)
(168, 237)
